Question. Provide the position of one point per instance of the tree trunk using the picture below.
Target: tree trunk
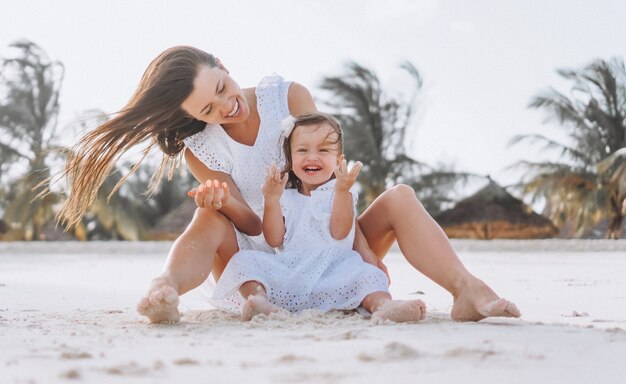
(373, 192)
(614, 231)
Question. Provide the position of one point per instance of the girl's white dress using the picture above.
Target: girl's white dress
(312, 270)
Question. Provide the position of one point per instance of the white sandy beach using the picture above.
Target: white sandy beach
(67, 315)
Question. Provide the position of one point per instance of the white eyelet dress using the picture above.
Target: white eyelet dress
(312, 270)
(246, 165)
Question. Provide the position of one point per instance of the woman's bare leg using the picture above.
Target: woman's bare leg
(398, 215)
(209, 239)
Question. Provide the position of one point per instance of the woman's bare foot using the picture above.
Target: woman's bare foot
(477, 301)
(160, 303)
(255, 305)
(400, 311)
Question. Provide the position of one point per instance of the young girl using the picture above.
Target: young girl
(312, 223)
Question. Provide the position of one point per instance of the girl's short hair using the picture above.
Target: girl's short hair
(308, 119)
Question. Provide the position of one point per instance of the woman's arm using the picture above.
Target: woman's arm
(234, 206)
(300, 100)
(362, 247)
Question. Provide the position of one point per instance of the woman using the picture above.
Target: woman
(187, 100)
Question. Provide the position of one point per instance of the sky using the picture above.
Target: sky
(482, 61)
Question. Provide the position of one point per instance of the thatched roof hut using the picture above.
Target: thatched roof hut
(175, 222)
(492, 213)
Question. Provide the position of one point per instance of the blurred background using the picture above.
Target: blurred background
(508, 118)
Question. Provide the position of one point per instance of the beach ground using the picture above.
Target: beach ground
(67, 314)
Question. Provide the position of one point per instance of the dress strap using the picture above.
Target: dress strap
(273, 98)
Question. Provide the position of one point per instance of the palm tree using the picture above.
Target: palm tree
(153, 207)
(376, 124)
(588, 183)
(29, 107)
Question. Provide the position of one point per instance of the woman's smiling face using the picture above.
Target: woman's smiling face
(216, 98)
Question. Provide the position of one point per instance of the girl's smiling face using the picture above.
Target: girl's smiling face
(315, 150)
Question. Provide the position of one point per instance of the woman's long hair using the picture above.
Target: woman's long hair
(306, 119)
(153, 114)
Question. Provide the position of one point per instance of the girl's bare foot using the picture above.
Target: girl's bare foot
(160, 303)
(400, 311)
(477, 301)
(255, 305)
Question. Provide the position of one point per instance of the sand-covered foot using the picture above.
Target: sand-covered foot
(477, 301)
(400, 311)
(160, 305)
(500, 308)
(256, 305)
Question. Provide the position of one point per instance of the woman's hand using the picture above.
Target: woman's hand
(274, 184)
(345, 178)
(369, 257)
(383, 267)
(211, 194)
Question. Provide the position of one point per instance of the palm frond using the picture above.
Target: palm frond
(550, 144)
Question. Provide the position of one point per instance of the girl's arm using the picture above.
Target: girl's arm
(342, 213)
(273, 224)
(273, 221)
(234, 206)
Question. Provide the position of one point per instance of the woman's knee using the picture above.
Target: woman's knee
(208, 219)
(403, 191)
(400, 194)
(401, 199)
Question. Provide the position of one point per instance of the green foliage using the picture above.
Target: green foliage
(588, 182)
(129, 213)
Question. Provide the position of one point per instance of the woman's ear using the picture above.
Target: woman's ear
(220, 65)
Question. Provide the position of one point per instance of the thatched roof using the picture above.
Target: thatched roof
(492, 212)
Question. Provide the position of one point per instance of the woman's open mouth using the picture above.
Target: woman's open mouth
(235, 109)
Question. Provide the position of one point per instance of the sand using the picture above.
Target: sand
(67, 315)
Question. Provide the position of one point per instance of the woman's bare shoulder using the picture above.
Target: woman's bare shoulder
(300, 99)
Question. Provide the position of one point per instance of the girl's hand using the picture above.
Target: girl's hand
(211, 194)
(274, 184)
(345, 178)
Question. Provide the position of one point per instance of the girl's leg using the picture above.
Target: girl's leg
(398, 215)
(208, 241)
(257, 301)
(382, 308)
